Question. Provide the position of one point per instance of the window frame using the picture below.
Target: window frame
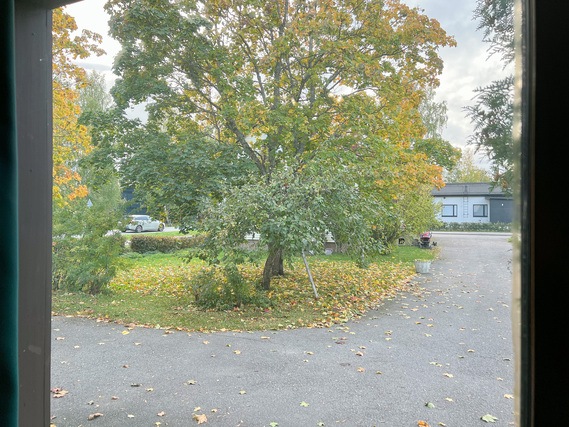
(454, 211)
(541, 172)
(484, 210)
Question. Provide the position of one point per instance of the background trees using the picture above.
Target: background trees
(297, 89)
(492, 113)
(84, 257)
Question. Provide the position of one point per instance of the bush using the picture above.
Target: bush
(164, 244)
(84, 255)
(224, 288)
(474, 226)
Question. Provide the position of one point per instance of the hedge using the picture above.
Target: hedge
(165, 244)
(473, 226)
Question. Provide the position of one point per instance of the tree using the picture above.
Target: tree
(70, 139)
(492, 114)
(93, 96)
(296, 86)
(467, 171)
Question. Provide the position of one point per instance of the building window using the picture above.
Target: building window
(450, 210)
(480, 210)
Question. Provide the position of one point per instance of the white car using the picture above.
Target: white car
(140, 223)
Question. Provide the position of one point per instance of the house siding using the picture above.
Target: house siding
(471, 203)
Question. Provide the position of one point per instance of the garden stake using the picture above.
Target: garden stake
(309, 275)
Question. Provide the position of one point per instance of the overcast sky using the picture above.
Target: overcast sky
(466, 66)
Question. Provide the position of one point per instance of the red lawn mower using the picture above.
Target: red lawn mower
(425, 240)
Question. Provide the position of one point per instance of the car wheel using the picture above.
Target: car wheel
(138, 228)
(161, 227)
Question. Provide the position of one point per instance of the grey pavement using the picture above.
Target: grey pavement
(447, 343)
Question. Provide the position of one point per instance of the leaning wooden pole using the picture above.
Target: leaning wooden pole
(310, 275)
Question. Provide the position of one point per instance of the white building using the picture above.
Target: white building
(473, 202)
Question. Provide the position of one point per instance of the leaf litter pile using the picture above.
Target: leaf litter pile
(344, 290)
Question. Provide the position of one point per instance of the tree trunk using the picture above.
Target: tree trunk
(273, 267)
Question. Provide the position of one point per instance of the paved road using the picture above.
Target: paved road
(447, 343)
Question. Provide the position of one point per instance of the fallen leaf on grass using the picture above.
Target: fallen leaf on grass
(489, 418)
(201, 418)
(95, 415)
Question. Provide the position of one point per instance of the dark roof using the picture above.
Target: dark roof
(468, 189)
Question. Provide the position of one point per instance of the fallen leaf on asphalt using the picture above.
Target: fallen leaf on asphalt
(237, 352)
(58, 392)
(448, 375)
(489, 418)
(242, 392)
(303, 403)
(205, 342)
(265, 338)
(191, 382)
(150, 389)
(273, 424)
(361, 369)
(95, 415)
(359, 353)
(130, 416)
(449, 399)
(114, 397)
(429, 405)
(422, 423)
(125, 332)
(201, 418)
(59, 338)
(161, 414)
(126, 366)
(135, 385)
(508, 396)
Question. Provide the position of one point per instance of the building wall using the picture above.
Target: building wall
(461, 208)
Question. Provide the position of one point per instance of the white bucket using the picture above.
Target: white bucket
(422, 266)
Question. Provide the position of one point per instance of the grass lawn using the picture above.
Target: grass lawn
(150, 290)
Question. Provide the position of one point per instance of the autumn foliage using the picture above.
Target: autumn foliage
(70, 140)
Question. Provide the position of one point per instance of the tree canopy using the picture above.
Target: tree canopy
(70, 139)
(298, 88)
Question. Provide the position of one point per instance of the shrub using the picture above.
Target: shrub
(85, 256)
(224, 288)
(165, 244)
(474, 226)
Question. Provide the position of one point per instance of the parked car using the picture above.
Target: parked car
(140, 223)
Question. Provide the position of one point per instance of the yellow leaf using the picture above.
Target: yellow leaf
(201, 418)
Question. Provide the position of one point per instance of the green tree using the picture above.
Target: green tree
(94, 97)
(492, 113)
(295, 86)
(85, 253)
(467, 171)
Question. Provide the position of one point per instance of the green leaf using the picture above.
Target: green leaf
(429, 405)
(489, 418)
(303, 403)
(274, 424)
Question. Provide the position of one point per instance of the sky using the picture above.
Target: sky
(466, 66)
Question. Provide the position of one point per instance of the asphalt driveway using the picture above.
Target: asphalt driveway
(441, 354)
